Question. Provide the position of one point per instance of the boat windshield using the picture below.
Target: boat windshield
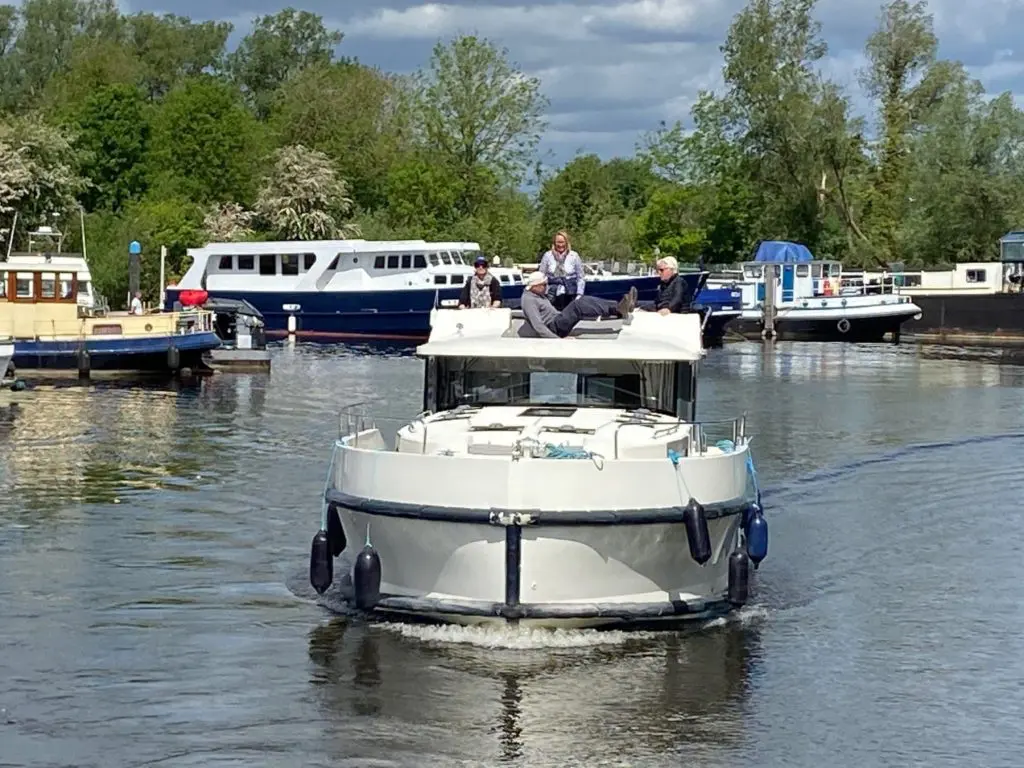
(665, 387)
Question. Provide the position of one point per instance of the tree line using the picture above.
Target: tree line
(159, 133)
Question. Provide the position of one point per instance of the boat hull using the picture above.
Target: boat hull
(861, 324)
(554, 576)
(387, 314)
(975, 320)
(145, 354)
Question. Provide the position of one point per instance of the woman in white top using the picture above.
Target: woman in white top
(563, 268)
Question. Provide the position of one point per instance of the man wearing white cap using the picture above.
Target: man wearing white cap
(542, 319)
(672, 290)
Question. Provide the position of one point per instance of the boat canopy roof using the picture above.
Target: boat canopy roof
(494, 333)
(782, 252)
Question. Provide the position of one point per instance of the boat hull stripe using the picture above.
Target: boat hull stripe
(583, 517)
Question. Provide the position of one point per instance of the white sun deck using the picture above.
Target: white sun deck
(497, 333)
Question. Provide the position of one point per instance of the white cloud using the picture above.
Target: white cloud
(615, 68)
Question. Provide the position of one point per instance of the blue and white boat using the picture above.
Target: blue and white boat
(351, 289)
(48, 309)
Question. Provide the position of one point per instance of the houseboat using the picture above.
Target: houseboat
(553, 482)
(51, 313)
(790, 295)
(343, 289)
(973, 304)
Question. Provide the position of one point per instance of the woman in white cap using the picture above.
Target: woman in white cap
(542, 319)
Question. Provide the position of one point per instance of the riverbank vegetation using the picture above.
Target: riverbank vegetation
(161, 134)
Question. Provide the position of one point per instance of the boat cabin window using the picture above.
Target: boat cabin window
(393, 262)
(308, 260)
(406, 261)
(268, 264)
(503, 279)
(23, 285)
(440, 279)
(802, 270)
(289, 264)
(246, 262)
(445, 258)
(665, 387)
(225, 263)
(458, 279)
(419, 261)
(41, 286)
(975, 275)
(434, 260)
(333, 266)
(752, 271)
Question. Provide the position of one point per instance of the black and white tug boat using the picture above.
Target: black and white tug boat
(790, 295)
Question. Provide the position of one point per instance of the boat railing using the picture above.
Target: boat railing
(360, 427)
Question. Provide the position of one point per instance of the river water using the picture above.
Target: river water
(155, 608)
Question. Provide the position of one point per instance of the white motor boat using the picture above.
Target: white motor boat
(554, 482)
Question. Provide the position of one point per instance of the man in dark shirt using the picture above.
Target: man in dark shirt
(673, 293)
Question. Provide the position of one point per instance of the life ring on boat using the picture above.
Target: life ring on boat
(843, 325)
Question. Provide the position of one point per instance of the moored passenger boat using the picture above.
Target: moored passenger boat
(351, 289)
(557, 482)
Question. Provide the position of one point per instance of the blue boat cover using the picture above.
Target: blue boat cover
(782, 252)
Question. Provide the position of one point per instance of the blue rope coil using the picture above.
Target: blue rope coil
(552, 451)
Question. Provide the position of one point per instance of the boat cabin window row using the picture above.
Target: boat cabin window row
(460, 279)
(268, 263)
(401, 261)
(39, 286)
(975, 275)
(663, 387)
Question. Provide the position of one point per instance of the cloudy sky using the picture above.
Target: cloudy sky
(613, 69)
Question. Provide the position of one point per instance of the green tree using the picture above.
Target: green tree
(347, 112)
(671, 223)
(478, 110)
(113, 135)
(205, 145)
(279, 47)
(899, 54)
(173, 48)
(175, 223)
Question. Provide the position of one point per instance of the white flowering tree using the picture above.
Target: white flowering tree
(228, 223)
(37, 170)
(303, 198)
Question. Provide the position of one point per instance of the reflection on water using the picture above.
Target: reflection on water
(557, 705)
(155, 606)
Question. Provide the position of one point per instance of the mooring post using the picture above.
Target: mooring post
(768, 308)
